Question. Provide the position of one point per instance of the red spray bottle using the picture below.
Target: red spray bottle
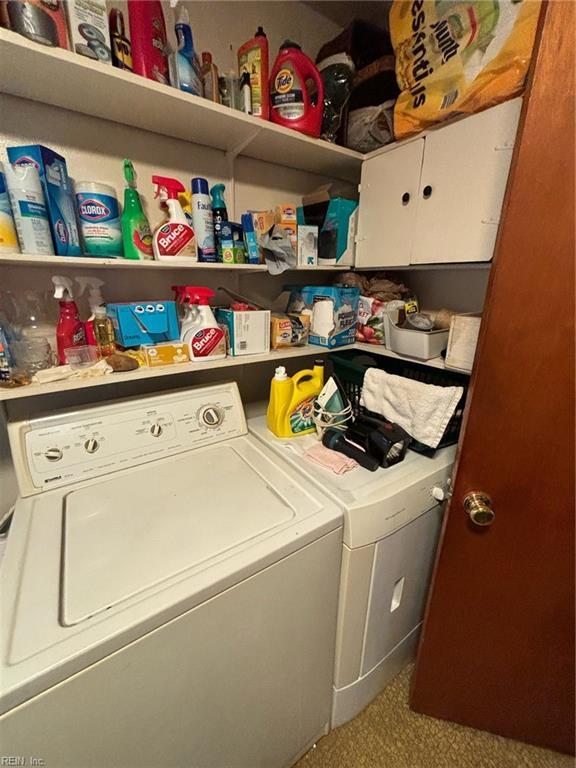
(149, 40)
(296, 91)
(70, 330)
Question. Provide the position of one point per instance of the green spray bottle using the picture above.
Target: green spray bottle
(136, 233)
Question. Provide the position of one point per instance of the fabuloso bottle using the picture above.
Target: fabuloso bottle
(136, 233)
(203, 220)
(173, 240)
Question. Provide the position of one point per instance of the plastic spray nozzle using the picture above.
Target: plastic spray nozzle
(193, 294)
(94, 287)
(217, 193)
(129, 173)
(167, 188)
(62, 286)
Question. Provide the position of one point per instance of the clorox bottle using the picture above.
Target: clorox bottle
(296, 91)
(291, 405)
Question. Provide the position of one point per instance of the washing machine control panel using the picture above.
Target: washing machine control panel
(68, 448)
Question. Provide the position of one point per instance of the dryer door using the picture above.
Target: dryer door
(400, 581)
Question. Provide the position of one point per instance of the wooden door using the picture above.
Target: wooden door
(462, 186)
(387, 209)
(497, 650)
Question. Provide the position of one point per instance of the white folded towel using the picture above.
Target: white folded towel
(423, 410)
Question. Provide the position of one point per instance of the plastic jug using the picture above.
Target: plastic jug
(291, 406)
(292, 103)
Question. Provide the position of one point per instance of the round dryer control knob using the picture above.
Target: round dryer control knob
(53, 454)
(156, 430)
(211, 416)
(91, 445)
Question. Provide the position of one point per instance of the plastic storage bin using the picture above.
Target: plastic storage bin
(419, 344)
(350, 369)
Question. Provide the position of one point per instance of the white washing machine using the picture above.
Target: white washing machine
(169, 591)
(391, 526)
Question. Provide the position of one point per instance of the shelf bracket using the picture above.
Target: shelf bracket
(231, 155)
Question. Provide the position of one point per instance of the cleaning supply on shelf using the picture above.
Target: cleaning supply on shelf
(232, 243)
(248, 329)
(8, 237)
(203, 219)
(70, 330)
(103, 332)
(199, 330)
(289, 330)
(333, 311)
(291, 406)
(89, 32)
(250, 239)
(38, 20)
(95, 299)
(253, 60)
(99, 219)
(149, 40)
(173, 240)
(136, 233)
(186, 67)
(292, 104)
(229, 89)
(246, 93)
(144, 322)
(58, 192)
(219, 212)
(28, 205)
(170, 353)
(121, 46)
(209, 73)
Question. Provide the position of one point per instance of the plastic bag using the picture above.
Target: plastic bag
(370, 127)
(458, 57)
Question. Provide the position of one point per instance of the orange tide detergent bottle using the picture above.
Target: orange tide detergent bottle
(291, 406)
(173, 240)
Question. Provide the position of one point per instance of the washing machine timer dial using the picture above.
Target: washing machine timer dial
(156, 430)
(211, 416)
(91, 445)
(53, 454)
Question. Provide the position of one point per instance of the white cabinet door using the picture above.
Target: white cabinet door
(387, 210)
(462, 186)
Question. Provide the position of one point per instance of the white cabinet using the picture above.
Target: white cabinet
(438, 199)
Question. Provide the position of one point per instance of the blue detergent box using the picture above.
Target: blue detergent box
(332, 309)
(146, 322)
(58, 192)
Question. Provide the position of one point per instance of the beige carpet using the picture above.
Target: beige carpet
(389, 735)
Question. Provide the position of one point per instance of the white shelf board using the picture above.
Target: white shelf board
(35, 260)
(34, 390)
(65, 79)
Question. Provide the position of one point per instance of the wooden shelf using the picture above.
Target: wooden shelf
(65, 79)
(36, 390)
(89, 262)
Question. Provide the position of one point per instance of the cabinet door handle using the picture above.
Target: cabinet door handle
(405, 198)
(427, 192)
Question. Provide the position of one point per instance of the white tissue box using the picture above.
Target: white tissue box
(462, 341)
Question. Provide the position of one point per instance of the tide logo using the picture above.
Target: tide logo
(284, 81)
(93, 210)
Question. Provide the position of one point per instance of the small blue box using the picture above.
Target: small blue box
(146, 322)
(58, 192)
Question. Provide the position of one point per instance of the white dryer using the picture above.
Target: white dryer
(391, 526)
(169, 590)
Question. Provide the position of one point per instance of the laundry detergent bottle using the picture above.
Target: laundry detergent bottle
(199, 330)
(291, 405)
(149, 40)
(70, 330)
(296, 91)
(174, 239)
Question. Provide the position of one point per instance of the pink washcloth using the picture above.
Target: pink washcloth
(329, 459)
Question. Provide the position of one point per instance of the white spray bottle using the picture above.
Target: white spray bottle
(173, 240)
(199, 330)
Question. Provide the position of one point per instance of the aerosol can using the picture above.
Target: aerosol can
(199, 330)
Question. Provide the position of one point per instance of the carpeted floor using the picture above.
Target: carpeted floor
(387, 734)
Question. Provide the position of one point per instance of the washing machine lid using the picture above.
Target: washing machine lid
(375, 503)
(125, 535)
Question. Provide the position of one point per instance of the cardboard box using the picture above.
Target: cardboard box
(337, 219)
(307, 245)
(89, 32)
(166, 354)
(143, 323)
(332, 311)
(58, 192)
(248, 333)
(289, 331)
(462, 341)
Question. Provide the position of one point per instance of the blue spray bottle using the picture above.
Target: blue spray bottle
(187, 71)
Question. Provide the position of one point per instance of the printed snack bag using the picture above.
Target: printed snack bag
(370, 320)
(458, 57)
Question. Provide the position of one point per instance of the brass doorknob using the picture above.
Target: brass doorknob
(479, 508)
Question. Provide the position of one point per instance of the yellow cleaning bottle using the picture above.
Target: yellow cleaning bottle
(291, 406)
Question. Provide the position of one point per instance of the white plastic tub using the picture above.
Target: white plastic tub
(423, 345)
